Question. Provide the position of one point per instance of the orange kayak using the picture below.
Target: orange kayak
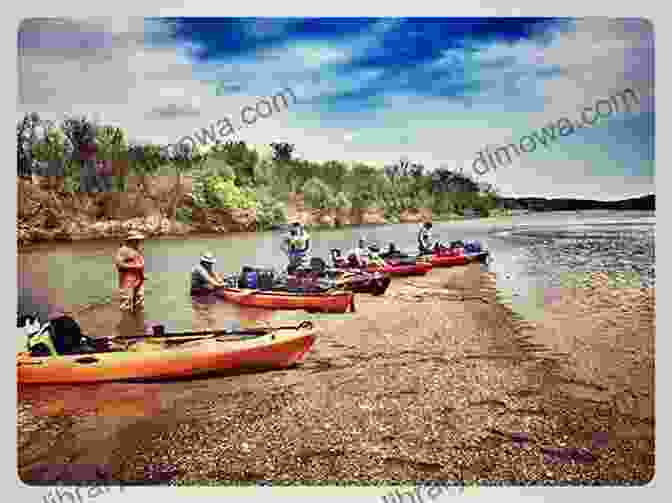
(337, 301)
(276, 350)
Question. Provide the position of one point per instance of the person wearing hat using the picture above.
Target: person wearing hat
(425, 241)
(203, 277)
(297, 247)
(130, 265)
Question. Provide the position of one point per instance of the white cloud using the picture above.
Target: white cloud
(128, 79)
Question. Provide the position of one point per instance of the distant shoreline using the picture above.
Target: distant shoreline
(644, 203)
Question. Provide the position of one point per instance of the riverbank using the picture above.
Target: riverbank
(45, 215)
(435, 380)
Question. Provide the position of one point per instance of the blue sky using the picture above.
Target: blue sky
(436, 90)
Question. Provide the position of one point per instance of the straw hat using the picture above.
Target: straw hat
(208, 257)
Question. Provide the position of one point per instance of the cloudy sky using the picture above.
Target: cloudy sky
(435, 90)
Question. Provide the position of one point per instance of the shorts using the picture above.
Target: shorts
(132, 299)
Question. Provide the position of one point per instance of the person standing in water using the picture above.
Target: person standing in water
(425, 239)
(297, 247)
(130, 264)
(203, 278)
(204, 282)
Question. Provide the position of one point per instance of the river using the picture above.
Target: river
(532, 254)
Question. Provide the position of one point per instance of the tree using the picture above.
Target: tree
(51, 148)
(26, 136)
(145, 161)
(334, 173)
(282, 151)
(184, 157)
(81, 133)
(263, 171)
(240, 157)
(365, 183)
(444, 180)
(112, 146)
(317, 194)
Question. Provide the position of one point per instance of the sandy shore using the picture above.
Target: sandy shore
(433, 381)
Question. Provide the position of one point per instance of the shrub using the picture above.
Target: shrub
(217, 192)
(317, 194)
(341, 201)
(218, 167)
(184, 215)
(270, 211)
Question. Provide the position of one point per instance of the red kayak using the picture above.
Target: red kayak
(399, 268)
(456, 256)
(446, 260)
(393, 266)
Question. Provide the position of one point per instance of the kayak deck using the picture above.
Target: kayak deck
(278, 349)
(337, 301)
(417, 269)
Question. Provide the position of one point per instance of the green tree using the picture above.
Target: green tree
(26, 137)
(334, 173)
(317, 194)
(112, 145)
(184, 157)
(364, 184)
(145, 161)
(264, 172)
(52, 147)
(240, 158)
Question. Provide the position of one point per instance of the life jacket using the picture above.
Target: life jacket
(300, 243)
(375, 258)
(60, 336)
(472, 246)
(40, 342)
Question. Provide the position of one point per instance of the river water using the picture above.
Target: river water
(532, 255)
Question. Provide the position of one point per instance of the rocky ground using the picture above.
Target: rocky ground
(433, 381)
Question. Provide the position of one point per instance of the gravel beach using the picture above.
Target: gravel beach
(436, 380)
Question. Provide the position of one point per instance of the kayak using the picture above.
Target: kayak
(376, 284)
(453, 260)
(276, 350)
(393, 267)
(397, 268)
(447, 260)
(356, 280)
(481, 257)
(336, 301)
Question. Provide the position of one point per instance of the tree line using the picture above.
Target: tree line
(79, 154)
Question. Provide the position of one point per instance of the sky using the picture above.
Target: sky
(436, 91)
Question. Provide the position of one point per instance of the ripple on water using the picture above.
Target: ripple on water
(627, 255)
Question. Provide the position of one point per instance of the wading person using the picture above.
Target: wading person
(297, 247)
(130, 265)
(425, 240)
(206, 306)
(203, 278)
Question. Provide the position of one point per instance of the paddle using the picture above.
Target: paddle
(158, 332)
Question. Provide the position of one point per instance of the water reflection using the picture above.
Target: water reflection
(211, 312)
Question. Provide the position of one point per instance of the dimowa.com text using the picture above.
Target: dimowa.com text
(249, 115)
(602, 109)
